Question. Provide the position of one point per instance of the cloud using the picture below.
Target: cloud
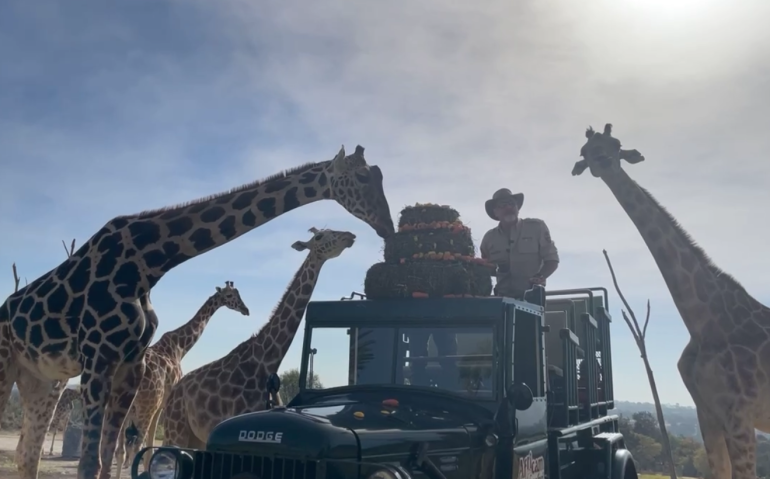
(111, 112)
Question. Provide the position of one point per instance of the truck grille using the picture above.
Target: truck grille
(218, 465)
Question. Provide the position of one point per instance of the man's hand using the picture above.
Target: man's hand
(538, 279)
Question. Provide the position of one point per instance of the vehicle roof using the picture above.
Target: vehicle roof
(443, 310)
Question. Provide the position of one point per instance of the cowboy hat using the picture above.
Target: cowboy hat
(500, 194)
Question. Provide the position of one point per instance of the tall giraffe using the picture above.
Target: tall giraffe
(91, 315)
(164, 370)
(61, 416)
(726, 364)
(237, 383)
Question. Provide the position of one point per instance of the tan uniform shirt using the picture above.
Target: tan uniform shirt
(519, 254)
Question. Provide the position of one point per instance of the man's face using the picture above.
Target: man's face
(506, 210)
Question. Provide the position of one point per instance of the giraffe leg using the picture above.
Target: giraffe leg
(38, 401)
(176, 428)
(711, 428)
(120, 453)
(127, 379)
(742, 447)
(714, 441)
(8, 370)
(53, 438)
(150, 440)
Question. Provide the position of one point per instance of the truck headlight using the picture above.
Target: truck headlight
(387, 473)
(170, 463)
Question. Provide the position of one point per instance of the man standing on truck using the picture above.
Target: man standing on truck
(521, 248)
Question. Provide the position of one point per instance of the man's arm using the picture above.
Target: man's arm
(548, 253)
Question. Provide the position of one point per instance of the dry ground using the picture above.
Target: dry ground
(51, 467)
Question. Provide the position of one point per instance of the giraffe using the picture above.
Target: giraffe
(164, 370)
(237, 383)
(92, 316)
(726, 364)
(61, 417)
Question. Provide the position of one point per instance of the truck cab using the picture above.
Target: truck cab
(485, 387)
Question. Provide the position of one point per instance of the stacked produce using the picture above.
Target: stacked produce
(431, 255)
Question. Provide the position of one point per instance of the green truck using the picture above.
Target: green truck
(483, 388)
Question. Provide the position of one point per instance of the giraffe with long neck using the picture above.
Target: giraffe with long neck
(237, 383)
(726, 364)
(91, 315)
(164, 370)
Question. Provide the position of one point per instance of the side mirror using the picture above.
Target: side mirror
(520, 396)
(273, 383)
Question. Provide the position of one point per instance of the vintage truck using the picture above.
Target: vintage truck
(483, 388)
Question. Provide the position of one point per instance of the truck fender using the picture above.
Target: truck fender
(623, 466)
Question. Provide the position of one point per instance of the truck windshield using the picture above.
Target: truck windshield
(461, 359)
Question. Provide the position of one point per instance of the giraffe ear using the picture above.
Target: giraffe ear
(219, 290)
(300, 246)
(579, 167)
(631, 156)
(313, 230)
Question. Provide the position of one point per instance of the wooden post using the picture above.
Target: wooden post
(73, 435)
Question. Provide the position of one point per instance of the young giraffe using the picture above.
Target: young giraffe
(726, 365)
(236, 384)
(164, 371)
(91, 315)
(61, 417)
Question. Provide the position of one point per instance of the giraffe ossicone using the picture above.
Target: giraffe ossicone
(91, 316)
(238, 383)
(726, 364)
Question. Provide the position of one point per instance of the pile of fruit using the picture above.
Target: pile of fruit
(431, 255)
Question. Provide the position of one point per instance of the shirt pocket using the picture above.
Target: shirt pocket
(528, 245)
(498, 255)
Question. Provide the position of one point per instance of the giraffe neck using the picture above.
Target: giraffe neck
(178, 342)
(163, 239)
(693, 280)
(270, 345)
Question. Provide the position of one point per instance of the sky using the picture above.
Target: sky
(109, 109)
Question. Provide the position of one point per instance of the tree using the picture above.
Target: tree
(640, 337)
(647, 452)
(702, 463)
(290, 384)
(645, 423)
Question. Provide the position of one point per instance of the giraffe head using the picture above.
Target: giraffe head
(602, 153)
(326, 244)
(231, 298)
(358, 188)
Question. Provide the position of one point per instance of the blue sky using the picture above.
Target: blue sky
(108, 110)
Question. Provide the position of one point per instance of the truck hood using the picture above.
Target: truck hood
(284, 432)
(353, 422)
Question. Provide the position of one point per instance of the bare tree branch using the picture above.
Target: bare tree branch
(646, 320)
(16, 279)
(639, 336)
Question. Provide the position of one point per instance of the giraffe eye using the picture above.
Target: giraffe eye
(362, 177)
(318, 237)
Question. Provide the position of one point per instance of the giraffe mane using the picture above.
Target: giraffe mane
(277, 176)
(699, 252)
(277, 306)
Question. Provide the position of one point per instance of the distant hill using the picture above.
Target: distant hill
(680, 420)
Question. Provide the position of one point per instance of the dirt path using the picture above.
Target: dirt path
(51, 467)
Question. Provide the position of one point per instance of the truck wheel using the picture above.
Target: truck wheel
(623, 466)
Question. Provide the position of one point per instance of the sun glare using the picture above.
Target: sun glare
(679, 10)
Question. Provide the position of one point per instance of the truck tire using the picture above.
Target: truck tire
(623, 466)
